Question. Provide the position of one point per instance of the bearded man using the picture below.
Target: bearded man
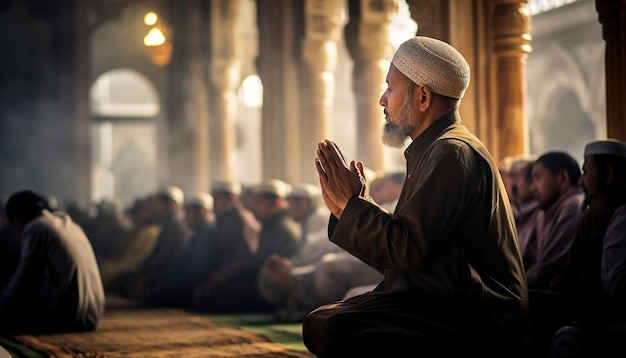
(453, 275)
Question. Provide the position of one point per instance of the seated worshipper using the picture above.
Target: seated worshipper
(56, 287)
(385, 189)
(595, 280)
(525, 206)
(138, 245)
(172, 240)
(82, 213)
(279, 235)
(306, 208)
(504, 167)
(453, 276)
(236, 232)
(328, 280)
(175, 286)
(109, 230)
(555, 186)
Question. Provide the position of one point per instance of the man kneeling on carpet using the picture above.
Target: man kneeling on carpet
(56, 286)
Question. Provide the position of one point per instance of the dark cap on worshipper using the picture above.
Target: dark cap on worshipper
(199, 198)
(275, 187)
(606, 147)
(226, 186)
(173, 193)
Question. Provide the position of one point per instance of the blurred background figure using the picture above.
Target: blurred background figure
(109, 230)
(307, 209)
(524, 204)
(138, 245)
(279, 235)
(173, 238)
(175, 286)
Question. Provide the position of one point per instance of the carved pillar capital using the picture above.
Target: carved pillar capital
(324, 20)
(368, 42)
(224, 76)
(226, 42)
(510, 35)
(511, 28)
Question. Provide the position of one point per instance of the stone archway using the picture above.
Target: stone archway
(124, 104)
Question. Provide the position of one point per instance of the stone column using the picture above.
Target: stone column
(225, 76)
(612, 16)
(280, 35)
(188, 99)
(367, 40)
(510, 38)
(73, 92)
(323, 21)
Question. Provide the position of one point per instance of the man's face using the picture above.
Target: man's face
(399, 114)
(194, 215)
(222, 202)
(262, 206)
(588, 181)
(520, 185)
(545, 186)
(298, 208)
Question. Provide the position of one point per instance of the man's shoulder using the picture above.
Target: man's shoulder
(573, 201)
(455, 149)
(619, 217)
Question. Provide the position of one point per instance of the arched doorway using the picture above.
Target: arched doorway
(124, 105)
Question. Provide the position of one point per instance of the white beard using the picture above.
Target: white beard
(395, 135)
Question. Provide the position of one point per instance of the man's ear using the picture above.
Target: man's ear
(424, 97)
(563, 177)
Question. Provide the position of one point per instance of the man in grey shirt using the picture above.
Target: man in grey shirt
(56, 287)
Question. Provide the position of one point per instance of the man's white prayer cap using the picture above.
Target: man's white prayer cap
(199, 198)
(225, 186)
(173, 193)
(606, 147)
(273, 186)
(433, 63)
(305, 190)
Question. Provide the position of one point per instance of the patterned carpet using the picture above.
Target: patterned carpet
(138, 332)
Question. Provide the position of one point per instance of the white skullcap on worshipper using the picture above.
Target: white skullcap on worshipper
(273, 186)
(305, 190)
(199, 198)
(433, 63)
(172, 192)
(225, 186)
(606, 147)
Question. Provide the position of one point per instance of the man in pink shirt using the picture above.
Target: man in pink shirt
(555, 177)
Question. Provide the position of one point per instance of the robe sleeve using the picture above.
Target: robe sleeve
(29, 269)
(613, 266)
(433, 204)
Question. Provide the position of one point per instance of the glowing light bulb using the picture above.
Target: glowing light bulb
(150, 18)
(154, 37)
